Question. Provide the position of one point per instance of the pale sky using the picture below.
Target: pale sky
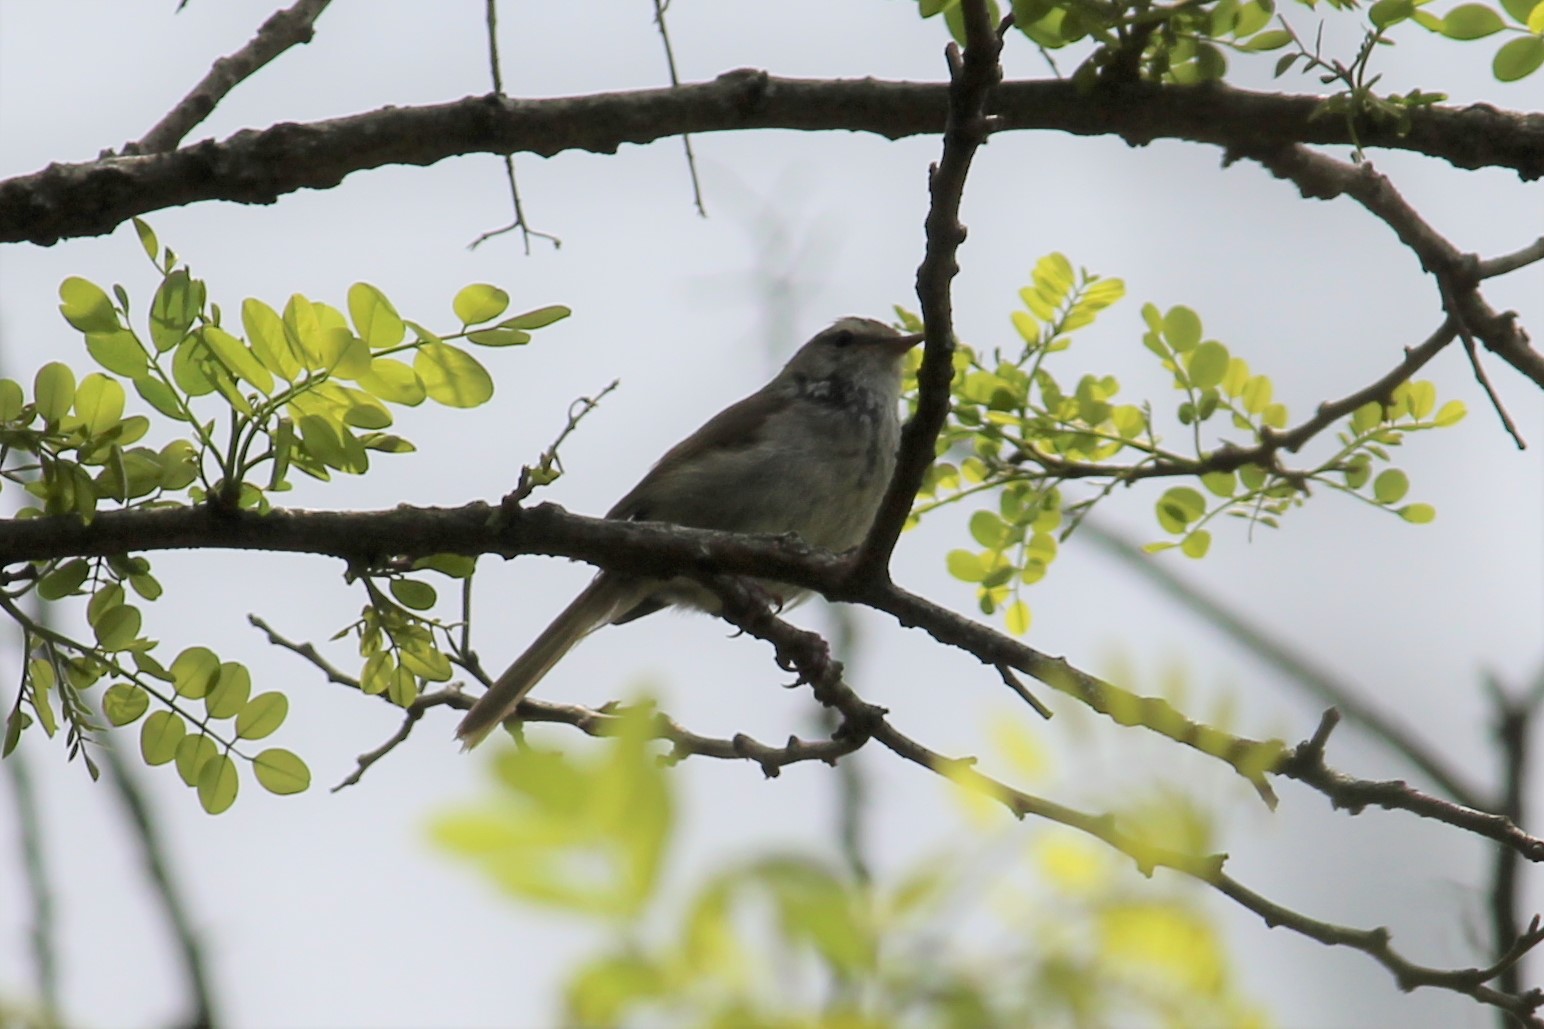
(333, 910)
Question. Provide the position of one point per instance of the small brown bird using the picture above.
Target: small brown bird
(811, 452)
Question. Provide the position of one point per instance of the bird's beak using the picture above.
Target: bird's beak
(900, 344)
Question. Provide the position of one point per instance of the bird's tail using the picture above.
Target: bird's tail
(593, 608)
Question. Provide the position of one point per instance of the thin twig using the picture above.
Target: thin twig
(675, 82)
(548, 466)
(491, 17)
(1490, 391)
(290, 27)
(1014, 683)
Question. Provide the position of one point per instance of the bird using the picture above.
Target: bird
(810, 453)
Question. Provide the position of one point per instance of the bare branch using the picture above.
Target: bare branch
(1306, 764)
(259, 166)
(675, 80)
(1457, 273)
(971, 80)
(292, 26)
(491, 17)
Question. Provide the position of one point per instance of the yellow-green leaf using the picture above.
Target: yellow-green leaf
(452, 376)
(238, 360)
(281, 772)
(124, 703)
(159, 736)
(54, 390)
(217, 784)
(86, 306)
(480, 303)
(99, 402)
(262, 715)
(194, 671)
(375, 320)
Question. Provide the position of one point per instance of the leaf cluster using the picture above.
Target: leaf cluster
(310, 390)
(1021, 436)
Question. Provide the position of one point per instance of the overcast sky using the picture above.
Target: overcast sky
(333, 910)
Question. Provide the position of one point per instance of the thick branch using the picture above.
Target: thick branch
(259, 166)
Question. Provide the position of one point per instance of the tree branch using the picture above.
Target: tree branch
(1306, 764)
(259, 166)
(290, 27)
(807, 652)
(1457, 273)
(971, 80)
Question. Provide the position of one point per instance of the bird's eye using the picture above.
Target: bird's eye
(842, 337)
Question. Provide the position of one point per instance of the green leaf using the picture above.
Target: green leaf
(217, 784)
(1196, 544)
(1016, 617)
(1418, 514)
(1520, 10)
(87, 306)
(480, 303)
(1471, 21)
(1222, 484)
(457, 566)
(537, 319)
(12, 400)
(1387, 12)
(159, 396)
(987, 529)
(99, 402)
(118, 627)
(452, 376)
(499, 337)
(1390, 486)
(1451, 413)
(1275, 39)
(159, 736)
(270, 341)
(392, 381)
(193, 753)
(375, 320)
(1178, 507)
(262, 715)
(238, 360)
(174, 309)
(1207, 364)
(54, 390)
(965, 566)
(124, 703)
(194, 671)
(1182, 328)
(281, 772)
(64, 580)
(119, 351)
(230, 692)
(147, 240)
(410, 593)
(189, 369)
(1518, 59)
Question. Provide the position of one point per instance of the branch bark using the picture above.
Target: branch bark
(91, 198)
